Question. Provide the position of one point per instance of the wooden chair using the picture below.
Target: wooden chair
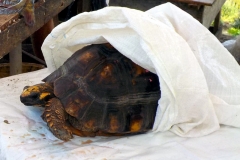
(205, 11)
(13, 30)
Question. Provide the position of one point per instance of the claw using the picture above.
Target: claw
(63, 133)
(54, 115)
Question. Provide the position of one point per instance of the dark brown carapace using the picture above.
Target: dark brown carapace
(97, 91)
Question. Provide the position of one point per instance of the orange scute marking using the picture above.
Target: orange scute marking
(135, 125)
(90, 124)
(86, 57)
(114, 124)
(106, 71)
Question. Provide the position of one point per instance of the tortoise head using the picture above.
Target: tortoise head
(37, 95)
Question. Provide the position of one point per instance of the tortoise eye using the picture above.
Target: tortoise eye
(34, 95)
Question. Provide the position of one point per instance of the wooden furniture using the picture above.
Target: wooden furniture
(205, 11)
(13, 29)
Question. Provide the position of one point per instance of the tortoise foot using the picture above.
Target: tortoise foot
(62, 132)
(55, 117)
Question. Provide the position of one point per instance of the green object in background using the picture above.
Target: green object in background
(237, 2)
(233, 31)
(231, 16)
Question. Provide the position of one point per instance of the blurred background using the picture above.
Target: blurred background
(230, 18)
(228, 32)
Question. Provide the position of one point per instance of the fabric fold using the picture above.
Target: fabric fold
(190, 62)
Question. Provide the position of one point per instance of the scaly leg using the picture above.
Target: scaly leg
(55, 116)
(56, 119)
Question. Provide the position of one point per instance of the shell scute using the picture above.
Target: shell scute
(103, 90)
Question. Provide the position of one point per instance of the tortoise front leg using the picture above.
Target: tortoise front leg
(55, 116)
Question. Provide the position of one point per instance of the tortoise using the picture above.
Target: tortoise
(96, 92)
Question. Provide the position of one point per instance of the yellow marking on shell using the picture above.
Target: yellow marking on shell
(114, 124)
(106, 71)
(135, 125)
(108, 45)
(86, 57)
(77, 100)
(72, 109)
(43, 95)
(139, 70)
(89, 124)
(74, 105)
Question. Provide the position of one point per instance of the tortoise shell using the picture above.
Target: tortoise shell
(100, 89)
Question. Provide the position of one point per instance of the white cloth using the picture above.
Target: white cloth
(199, 79)
(24, 136)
